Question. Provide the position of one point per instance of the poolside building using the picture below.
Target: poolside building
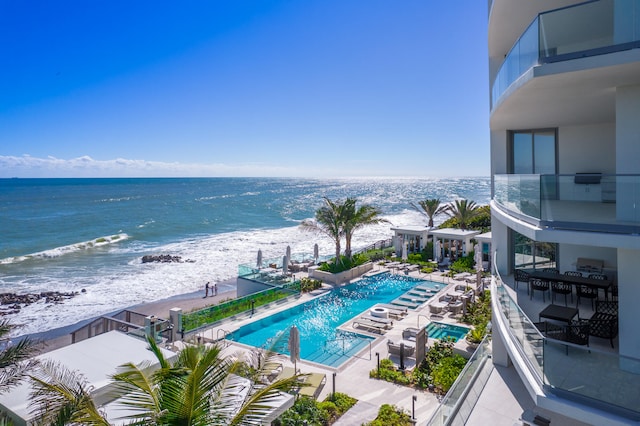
(565, 165)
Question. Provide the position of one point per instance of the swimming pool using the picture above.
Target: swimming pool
(439, 330)
(318, 319)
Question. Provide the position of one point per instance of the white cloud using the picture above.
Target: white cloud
(51, 167)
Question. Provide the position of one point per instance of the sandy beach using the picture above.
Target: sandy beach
(59, 337)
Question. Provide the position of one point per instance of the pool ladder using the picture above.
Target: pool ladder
(225, 333)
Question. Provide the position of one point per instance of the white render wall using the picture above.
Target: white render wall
(587, 149)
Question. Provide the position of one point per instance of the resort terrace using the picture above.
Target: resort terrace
(352, 376)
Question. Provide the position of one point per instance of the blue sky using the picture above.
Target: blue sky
(312, 88)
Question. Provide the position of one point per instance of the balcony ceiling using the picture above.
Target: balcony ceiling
(580, 91)
(510, 18)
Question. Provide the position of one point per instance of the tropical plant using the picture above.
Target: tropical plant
(329, 220)
(356, 218)
(447, 371)
(391, 415)
(462, 210)
(60, 397)
(199, 388)
(15, 360)
(430, 207)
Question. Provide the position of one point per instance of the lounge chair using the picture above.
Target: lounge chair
(385, 321)
(370, 325)
(403, 310)
(314, 383)
(405, 303)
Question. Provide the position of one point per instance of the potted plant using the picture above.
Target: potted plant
(476, 334)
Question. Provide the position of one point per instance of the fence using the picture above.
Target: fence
(212, 314)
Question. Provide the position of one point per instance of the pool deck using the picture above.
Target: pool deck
(352, 377)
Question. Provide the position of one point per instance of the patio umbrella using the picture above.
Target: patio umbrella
(478, 258)
(316, 252)
(438, 250)
(294, 346)
(405, 249)
(288, 252)
(285, 265)
(259, 261)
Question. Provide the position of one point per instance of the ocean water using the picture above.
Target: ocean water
(74, 234)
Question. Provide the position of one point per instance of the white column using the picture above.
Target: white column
(175, 317)
(628, 296)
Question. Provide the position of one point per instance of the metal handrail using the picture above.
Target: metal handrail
(343, 339)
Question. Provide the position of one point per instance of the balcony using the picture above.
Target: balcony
(607, 203)
(587, 29)
(595, 377)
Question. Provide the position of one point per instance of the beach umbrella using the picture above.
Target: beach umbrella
(288, 252)
(316, 252)
(285, 264)
(405, 249)
(294, 345)
(438, 250)
(259, 261)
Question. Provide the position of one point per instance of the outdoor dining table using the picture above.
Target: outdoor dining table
(590, 282)
(558, 313)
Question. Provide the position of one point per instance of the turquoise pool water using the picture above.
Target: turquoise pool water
(318, 319)
(439, 330)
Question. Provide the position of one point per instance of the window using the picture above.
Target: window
(530, 254)
(533, 152)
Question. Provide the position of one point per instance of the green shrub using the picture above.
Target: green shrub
(304, 409)
(391, 415)
(343, 402)
(447, 371)
(309, 284)
(344, 264)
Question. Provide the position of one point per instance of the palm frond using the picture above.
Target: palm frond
(61, 396)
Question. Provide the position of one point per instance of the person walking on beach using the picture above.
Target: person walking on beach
(215, 289)
(206, 290)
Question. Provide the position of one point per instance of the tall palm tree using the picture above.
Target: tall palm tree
(464, 211)
(198, 388)
(430, 207)
(15, 360)
(356, 218)
(329, 220)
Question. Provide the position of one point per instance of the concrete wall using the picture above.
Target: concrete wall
(342, 277)
(569, 253)
(628, 296)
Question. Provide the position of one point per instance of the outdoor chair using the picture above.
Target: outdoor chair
(521, 276)
(558, 287)
(540, 285)
(614, 292)
(598, 277)
(584, 291)
(552, 270)
(604, 325)
(578, 333)
(573, 273)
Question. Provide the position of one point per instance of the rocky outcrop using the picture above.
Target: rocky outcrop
(11, 303)
(164, 258)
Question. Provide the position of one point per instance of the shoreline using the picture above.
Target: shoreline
(61, 336)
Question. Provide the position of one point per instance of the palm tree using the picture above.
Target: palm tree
(60, 397)
(329, 220)
(14, 358)
(430, 207)
(356, 218)
(198, 388)
(463, 211)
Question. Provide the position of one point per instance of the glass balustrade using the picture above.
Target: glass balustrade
(586, 29)
(602, 379)
(607, 203)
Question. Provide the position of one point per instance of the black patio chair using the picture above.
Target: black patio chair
(540, 285)
(520, 275)
(552, 270)
(599, 277)
(584, 291)
(558, 287)
(604, 322)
